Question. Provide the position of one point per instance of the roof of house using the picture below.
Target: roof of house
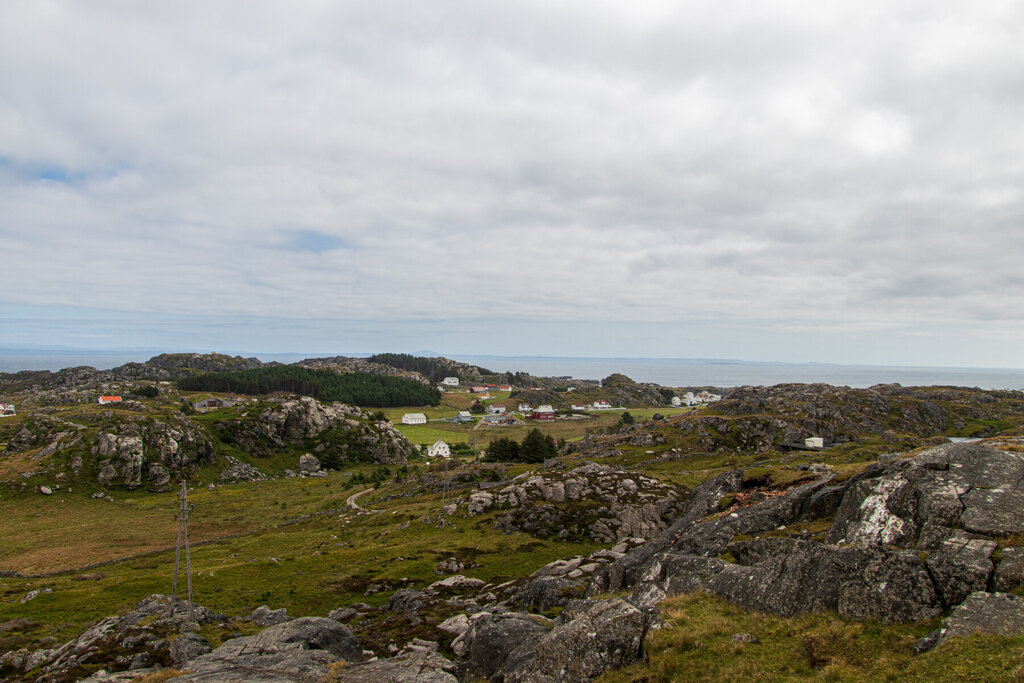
(439, 442)
(110, 398)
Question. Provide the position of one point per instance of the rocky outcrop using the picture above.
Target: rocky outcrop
(50, 433)
(421, 667)
(151, 452)
(297, 650)
(497, 644)
(144, 637)
(997, 613)
(601, 502)
(328, 429)
(236, 470)
(589, 638)
(908, 539)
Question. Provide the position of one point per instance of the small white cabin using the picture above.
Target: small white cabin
(450, 381)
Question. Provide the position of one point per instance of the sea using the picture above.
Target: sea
(670, 372)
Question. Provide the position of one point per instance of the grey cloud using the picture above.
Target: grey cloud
(585, 161)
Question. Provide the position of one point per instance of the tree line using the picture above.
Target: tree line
(355, 388)
(535, 447)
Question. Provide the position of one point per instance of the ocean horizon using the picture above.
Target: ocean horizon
(672, 372)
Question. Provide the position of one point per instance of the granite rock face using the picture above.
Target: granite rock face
(600, 502)
(909, 538)
(150, 452)
(145, 636)
(997, 613)
(303, 420)
(297, 650)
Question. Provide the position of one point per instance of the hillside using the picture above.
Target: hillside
(712, 542)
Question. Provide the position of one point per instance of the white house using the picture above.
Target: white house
(814, 442)
(525, 408)
(602, 405)
(414, 419)
(495, 409)
(578, 406)
(439, 450)
(462, 416)
(450, 381)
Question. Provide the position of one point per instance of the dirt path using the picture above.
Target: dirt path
(351, 502)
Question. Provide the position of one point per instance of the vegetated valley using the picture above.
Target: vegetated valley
(647, 541)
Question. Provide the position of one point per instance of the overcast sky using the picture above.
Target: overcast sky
(791, 181)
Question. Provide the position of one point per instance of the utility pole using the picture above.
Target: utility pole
(182, 517)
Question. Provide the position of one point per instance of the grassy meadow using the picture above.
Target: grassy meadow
(331, 556)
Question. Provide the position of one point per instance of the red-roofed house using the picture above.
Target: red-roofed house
(109, 399)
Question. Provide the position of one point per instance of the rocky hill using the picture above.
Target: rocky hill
(134, 448)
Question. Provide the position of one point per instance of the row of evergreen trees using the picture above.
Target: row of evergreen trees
(535, 447)
(356, 388)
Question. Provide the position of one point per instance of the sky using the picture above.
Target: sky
(778, 181)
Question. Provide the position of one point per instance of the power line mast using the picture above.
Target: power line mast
(182, 517)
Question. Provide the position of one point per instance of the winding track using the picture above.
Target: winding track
(351, 502)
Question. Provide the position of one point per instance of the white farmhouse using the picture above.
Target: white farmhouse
(450, 381)
(602, 405)
(414, 419)
(439, 450)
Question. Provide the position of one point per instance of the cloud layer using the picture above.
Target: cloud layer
(842, 169)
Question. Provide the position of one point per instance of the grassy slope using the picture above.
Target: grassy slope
(696, 645)
(323, 562)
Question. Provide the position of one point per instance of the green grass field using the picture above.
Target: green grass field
(310, 566)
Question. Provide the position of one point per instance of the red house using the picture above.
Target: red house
(543, 413)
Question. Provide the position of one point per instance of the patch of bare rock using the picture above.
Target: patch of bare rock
(601, 502)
